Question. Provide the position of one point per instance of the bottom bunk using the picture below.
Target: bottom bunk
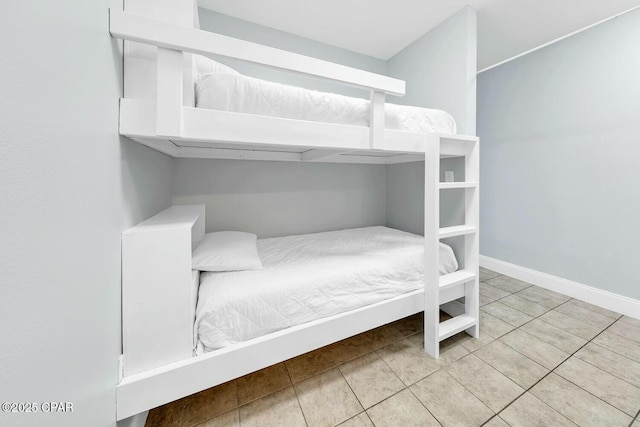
(307, 277)
(354, 280)
(150, 389)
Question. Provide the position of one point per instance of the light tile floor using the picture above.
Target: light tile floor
(543, 359)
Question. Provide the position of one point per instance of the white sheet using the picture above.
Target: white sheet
(230, 91)
(308, 277)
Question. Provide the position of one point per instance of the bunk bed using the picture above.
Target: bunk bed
(159, 287)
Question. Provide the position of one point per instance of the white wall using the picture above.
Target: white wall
(281, 198)
(560, 149)
(233, 27)
(69, 186)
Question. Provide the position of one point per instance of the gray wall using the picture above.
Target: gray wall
(233, 27)
(560, 156)
(280, 198)
(405, 196)
(440, 71)
(405, 200)
(69, 187)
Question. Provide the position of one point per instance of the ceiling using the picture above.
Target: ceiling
(382, 28)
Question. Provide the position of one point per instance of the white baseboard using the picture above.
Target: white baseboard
(604, 299)
(138, 420)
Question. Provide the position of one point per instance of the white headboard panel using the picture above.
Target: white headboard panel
(158, 290)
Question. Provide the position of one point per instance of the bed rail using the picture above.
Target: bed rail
(137, 28)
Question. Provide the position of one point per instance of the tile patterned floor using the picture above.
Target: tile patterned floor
(543, 359)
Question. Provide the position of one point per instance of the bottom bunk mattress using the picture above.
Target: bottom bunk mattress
(308, 277)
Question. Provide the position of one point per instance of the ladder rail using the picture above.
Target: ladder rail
(471, 241)
(431, 252)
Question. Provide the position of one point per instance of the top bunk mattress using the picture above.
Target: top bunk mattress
(309, 277)
(222, 88)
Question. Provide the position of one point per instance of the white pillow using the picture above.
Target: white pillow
(206, 65)
(227, 251)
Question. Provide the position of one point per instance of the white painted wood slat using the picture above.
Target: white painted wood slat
(456, 230)
(455, 185)
(137, 28)
(456, 278)
(376, 120)
(456, 324)
(431, 249)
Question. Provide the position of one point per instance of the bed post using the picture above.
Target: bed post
(471, 243)
(158, 75)
(169, 90)
(376, 120)
(431, 247)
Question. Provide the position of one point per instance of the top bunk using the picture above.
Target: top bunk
(170, 103)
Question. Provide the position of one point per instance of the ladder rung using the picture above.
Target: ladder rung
(456, 278)
(456, 230)
(454, 325)
(452, 293)
(453, 185)
(459, 139)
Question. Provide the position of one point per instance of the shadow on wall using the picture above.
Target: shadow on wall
(405, 199)
(146, 174)
(282, 198)
(147, 180)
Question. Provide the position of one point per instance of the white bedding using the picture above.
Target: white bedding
(231, 91)
(308, 277)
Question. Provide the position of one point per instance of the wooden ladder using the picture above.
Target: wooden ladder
(445, 292)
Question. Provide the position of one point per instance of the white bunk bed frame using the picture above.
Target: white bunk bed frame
(159, 288)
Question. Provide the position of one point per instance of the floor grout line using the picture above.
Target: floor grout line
(369, 418)
(421, 402)
(620, 335)
(610, 373)
(238, 402)
(572, 355)
(526, 390)
(496, 414)
(552, 371)
(614, 351)
(349, 385)
(295, 393)
(540, 315)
